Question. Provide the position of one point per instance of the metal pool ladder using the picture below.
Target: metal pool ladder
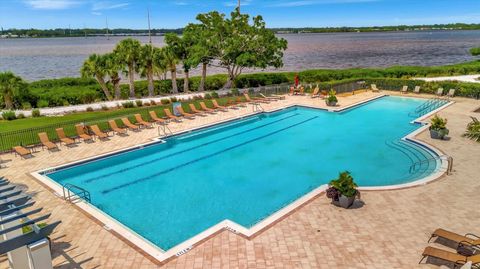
(72, 193)
(257, 107)
(164, 131)
(449, 159)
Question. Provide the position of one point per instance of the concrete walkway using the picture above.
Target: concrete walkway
(466, 78)
(389, 231)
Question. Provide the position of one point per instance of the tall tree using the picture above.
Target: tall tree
(203, 49)
(128, 51)
(243, 45)
(182, 48)
(95, 66)
(159, 63)
(171, 61)
(113, 67)
(146, 62)
(10, 87)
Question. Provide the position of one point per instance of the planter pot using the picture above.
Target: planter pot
(330, 103)
(344, 201)
(438, 134)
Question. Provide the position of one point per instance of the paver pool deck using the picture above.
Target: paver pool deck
(389, 231)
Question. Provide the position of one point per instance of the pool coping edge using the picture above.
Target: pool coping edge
(161, 256)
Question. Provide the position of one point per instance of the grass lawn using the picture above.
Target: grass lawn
(25, 130)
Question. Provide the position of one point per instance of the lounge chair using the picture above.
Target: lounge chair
(468, 239)
(130, 125)
(374, 88)
(23, 152)
(63, 138)
(185, 114)
(302, 91)
(254, 100)
(99, 133)
(116, 129)
(206, 109)
(451, 93)
(169, 114)
(81, 133)
(155, 118)
(416, 90)
(240, 102)
(141, 122)
(315, 92)
(195, 110)
(452, 257)
(46, 143)
(404, 89)
(273, 97)
(291, 91)
(440, 92)
(231, 103)
(217, 106)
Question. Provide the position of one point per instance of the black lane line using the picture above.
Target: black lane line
(183, 151)
(106, 191)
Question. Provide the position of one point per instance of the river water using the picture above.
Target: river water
(43, 58)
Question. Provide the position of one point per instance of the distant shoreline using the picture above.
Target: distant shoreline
(65, 32)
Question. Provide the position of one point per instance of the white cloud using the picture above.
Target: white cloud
(52, 4)
(103, 5)
(96, 13)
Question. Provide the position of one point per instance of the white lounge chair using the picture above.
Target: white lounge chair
(416, 90)
(404, 89)
(451, 93)
(374, 88)
(440, 92)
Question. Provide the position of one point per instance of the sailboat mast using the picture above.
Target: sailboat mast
(106, 30)
(149, 32)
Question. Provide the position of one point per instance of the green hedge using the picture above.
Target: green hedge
(58, 92)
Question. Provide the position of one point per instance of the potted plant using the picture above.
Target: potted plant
(438, 127)
(343, 190)
(331, 99)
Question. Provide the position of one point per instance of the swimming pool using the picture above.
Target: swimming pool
(247, 169)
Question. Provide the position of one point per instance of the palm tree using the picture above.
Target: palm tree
(112, 69)
(128, 52)
(94, 66)
(146, 66)
(10, 85)
(171, 61)
(159, 64)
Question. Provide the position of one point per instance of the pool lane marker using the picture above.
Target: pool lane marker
(184, 151)
(140, 180)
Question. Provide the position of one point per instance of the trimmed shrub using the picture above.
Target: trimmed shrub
(89, 109)
(9, 115)
(207, 96)
(214, 95)
(165, 101)
(128, 104)
(26, 106)
(139, 103)
(173, 99)
(153, 103)
(36, 113)
(21, 116)
(104, 107)
(42, 103)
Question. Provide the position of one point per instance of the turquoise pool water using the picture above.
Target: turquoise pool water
(247, 169)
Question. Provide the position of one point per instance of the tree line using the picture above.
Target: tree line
(232, 43)
(66, 32)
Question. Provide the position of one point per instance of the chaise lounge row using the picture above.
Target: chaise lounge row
(89, 133)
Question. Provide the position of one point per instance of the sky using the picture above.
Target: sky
(48, 14)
